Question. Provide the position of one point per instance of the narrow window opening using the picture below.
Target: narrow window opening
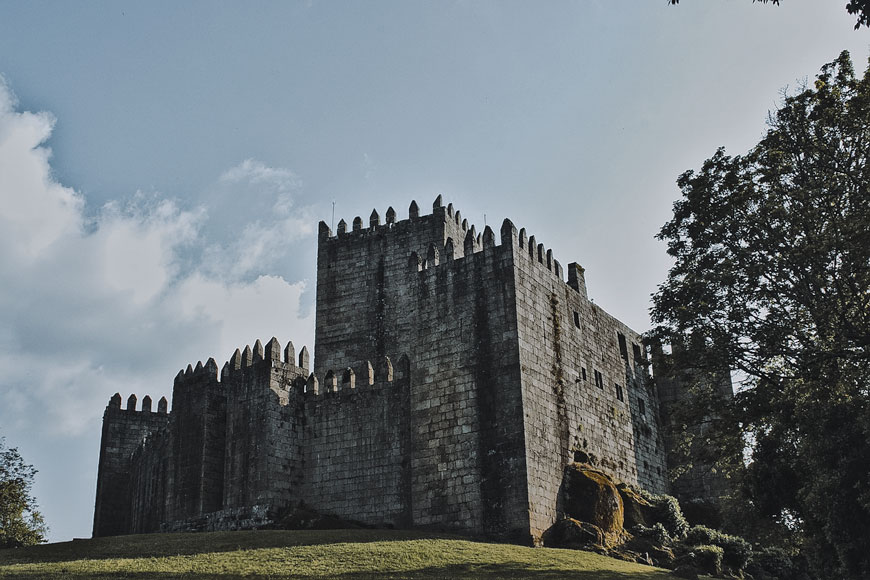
(599, 380)
(583, 373)
(623, 346)
(619, 394)
(576, 319)
(641, 404)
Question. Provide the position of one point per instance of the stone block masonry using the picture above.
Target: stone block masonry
(456, 374)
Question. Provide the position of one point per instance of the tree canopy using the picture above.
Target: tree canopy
(772, 278)
(860, 8)
(20, 522)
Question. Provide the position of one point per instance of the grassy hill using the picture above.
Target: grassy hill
(352, 554)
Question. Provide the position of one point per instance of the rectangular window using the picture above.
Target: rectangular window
(623, 346)
(576, 319)
(641, 404)
(637, 354)
(599, 380)
(583, 372)
(619, 394)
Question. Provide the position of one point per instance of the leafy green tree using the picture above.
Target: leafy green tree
(772, 278)
(861, 8)
(20, 523)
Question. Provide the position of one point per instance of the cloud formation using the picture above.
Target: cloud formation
(119, 301)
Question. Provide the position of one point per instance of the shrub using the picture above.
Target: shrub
(737, 551)
(666, 511)
(708, 559)
(657, 533)
(776, 564)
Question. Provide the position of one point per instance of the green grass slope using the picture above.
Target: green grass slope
(352, 554)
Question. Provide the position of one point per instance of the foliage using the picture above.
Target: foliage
(20, 523)
(772, 278)
(707, 558)
(657, 533)
(358, 554)
(861, 8)
(666, 511)
(776, 564)
(737, 551)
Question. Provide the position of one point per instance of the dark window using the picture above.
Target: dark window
(636, 350)
(583, 372)
(641, 404)
(623, 346)
(619, 394)
(576, 319)
(599, 380)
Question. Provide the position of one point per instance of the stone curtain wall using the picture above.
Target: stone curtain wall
(263, 457)
(356, 433)
(153, 480)
(123, 431)
(581, 391)
(266, 438)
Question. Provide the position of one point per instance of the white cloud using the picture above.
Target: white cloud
(137, 245)
(242, 313)
(120, 305)
(36, 211)
(265, 197)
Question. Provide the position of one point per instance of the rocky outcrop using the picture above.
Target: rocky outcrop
(576, 535)
(597, 514)
(636, 510)
(591, 496)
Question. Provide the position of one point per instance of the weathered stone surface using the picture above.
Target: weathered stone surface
(574, 534)
(636, 510)
(591, 496)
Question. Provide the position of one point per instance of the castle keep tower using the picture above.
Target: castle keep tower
(456, 375)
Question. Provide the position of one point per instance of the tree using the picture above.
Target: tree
(772, 278)
(20, 523)
(861, 8)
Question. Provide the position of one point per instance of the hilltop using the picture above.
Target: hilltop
(356, 554)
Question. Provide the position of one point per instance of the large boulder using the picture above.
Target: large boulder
(575, 535)
(591, 496)
(636, 510)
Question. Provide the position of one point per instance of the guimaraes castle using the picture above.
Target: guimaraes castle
(455, 375)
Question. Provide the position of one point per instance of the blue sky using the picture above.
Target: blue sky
(163, 167)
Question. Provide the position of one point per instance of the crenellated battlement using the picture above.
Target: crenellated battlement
(473, 243)
(146, 408)
(415, 221)
(359, 377)
(249, 359)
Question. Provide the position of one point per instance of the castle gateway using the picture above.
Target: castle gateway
(456, 375)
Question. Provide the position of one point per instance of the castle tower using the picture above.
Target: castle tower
(125, 429)
(513, 370)
(430, 287)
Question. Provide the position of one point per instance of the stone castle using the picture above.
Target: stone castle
(455, 376)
